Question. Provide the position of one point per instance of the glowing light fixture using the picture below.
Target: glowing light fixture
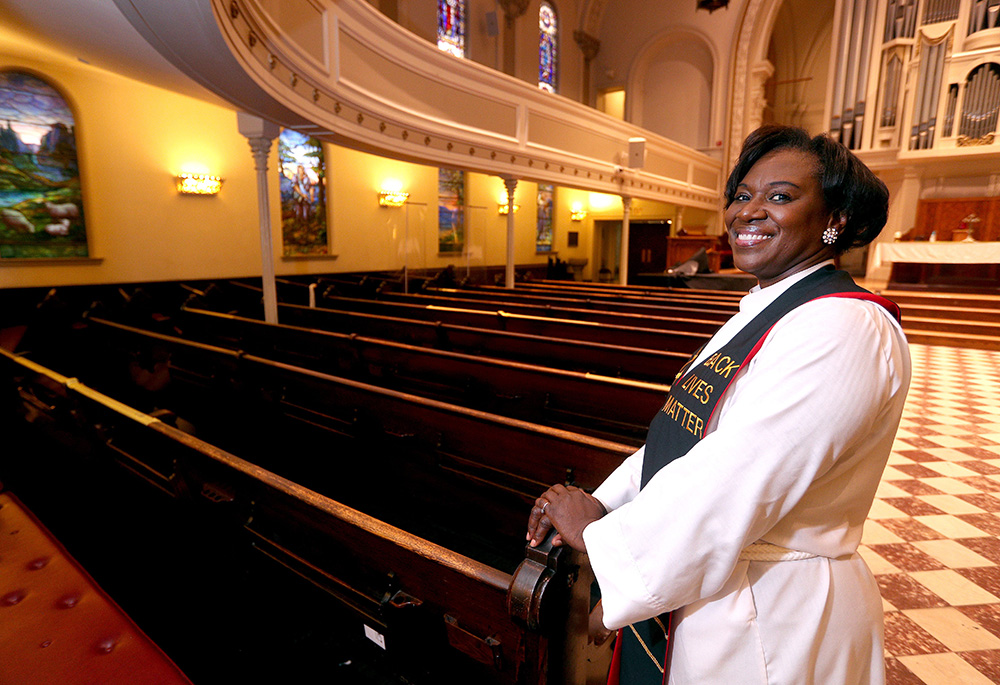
(392, 194)
(577, 212)
(198, 184)
(502, 203)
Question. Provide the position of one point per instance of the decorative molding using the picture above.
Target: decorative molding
(965, 141)
(514, 130)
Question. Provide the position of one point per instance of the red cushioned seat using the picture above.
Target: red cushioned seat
(56, 625)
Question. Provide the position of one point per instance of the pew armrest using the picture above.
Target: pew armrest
(534, 595)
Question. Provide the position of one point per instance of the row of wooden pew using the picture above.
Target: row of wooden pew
(389, 446)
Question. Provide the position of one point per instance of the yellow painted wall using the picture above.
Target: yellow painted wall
(132, 138)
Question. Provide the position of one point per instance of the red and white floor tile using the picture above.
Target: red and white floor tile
(932, 538)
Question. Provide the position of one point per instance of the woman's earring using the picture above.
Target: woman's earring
(830, 236)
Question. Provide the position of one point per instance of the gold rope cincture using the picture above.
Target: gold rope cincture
(643, 643)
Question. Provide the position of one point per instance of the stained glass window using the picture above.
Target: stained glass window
(451, 210)
(543, 236)
(41, 202)
(303, 194)
(451, 26)
(548, 51)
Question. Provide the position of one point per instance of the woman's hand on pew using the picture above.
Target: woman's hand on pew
(597, 633)
(569, 510)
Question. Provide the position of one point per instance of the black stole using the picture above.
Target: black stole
(680, 424)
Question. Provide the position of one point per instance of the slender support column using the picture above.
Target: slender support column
(512, 9)
(511, 185)
(259, 134)
(623, 263)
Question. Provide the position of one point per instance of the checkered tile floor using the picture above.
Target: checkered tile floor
(932, 538)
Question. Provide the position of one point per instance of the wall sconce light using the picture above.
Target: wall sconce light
(392, 198)
(391, 194)
(502, 203)
(577, 212)
(198, 184)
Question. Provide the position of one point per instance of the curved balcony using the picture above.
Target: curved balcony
(340, 70)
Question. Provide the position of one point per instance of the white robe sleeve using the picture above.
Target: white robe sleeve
(826, 373)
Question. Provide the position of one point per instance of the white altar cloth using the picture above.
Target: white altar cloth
(926, 252)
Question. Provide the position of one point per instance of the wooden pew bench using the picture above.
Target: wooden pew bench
(57, 626)
(448, 617)
(611, 299)
(688, 320)
(317, 429)
(594, 405)
(563, 329)
(576, 307)
(655, 366)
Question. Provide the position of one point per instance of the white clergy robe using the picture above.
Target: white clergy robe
(793, 457)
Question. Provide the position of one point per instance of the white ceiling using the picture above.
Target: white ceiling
(97, 33)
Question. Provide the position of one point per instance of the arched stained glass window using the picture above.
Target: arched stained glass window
(451, 26)
(548, 48)
(41, 202)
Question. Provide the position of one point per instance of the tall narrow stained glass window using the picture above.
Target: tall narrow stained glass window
(451, 26)
(543, 234)
(451, 210)
(548, 48)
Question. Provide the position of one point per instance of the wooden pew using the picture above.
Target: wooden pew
(215, 385)
(655, 366)
(448, 616)
(702, 321)
(673, 299)
(609, 334)
(636, 289)
(601, 406)
(556, 300)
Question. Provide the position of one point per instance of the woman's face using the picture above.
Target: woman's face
(777, 217)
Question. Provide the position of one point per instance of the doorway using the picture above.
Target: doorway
(607, 250)
(647, 247)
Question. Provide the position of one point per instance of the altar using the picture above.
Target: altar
(961, 266)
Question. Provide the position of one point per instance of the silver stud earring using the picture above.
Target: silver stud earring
(830, 236)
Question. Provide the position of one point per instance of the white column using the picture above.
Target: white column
(623, 259)
(259, 133)
(511, 185)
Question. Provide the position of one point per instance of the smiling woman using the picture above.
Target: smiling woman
(726, 547)
(801, 200)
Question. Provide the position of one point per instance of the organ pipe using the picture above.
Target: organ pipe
(985, 14)
(928, 90)
(982, 101)
(900, 19)
(949, 116)
(851, 82)
(940, 10)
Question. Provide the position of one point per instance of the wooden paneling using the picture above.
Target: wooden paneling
(946, 216)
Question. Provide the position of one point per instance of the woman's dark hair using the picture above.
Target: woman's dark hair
(849, 187)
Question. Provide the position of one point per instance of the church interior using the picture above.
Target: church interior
(299, 299)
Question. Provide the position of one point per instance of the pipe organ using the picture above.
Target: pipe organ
(982, 96)
(916, 75)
